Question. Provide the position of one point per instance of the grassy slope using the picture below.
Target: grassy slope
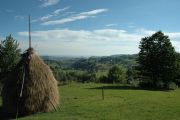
(79, 102)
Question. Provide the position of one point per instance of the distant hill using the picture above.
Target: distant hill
(91, 63)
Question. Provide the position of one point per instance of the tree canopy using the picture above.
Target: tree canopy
(116, 74)
(9, 55)
(157, 60)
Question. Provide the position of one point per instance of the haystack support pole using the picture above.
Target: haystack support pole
(29, 31)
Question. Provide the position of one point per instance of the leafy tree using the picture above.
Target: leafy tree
(116, 74)
(9, 56)
(157, 60)
(129, 74)
(178, 68)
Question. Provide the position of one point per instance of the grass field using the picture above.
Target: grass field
(84, 102)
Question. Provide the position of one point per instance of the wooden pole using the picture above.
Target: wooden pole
(102, 92)
(29, 31)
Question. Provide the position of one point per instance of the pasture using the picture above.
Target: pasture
(84, 102)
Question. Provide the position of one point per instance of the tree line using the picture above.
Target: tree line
(157, 65)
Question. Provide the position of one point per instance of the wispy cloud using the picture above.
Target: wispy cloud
(111, 25)
(9, 11)
(93, 12)
(56, 12)
(51, 15)
(19, 17)
(46, 3)
(80, 16)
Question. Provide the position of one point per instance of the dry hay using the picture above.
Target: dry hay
(39, 91)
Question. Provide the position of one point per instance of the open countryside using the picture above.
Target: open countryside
(89, 60)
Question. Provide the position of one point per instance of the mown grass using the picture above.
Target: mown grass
(84, 102)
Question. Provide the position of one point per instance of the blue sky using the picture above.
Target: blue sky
(89, 27)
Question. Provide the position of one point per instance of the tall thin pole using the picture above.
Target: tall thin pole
(29, 31)
(103, 92)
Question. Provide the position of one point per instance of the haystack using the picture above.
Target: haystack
(31, 88)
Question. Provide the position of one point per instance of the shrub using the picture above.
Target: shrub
(172, 86)
(134, 83)
(159, 84)
(103, 79)
(117, 74)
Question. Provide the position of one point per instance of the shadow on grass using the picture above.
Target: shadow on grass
(126, 87)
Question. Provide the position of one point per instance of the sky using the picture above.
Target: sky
(88, 27)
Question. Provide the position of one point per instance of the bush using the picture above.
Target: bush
(103, 79)
(178, 81)
(117, 74)
(172, 86)
(134, 83)
(160, 84)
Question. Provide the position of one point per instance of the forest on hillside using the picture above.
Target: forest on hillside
(92, 69)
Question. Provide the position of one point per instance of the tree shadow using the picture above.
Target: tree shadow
(128, 87)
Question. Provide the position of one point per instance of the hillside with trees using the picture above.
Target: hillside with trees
(93, 69)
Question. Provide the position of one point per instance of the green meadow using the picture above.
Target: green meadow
(84, 102)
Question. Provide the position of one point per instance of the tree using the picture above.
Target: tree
(129, 74)
(116, 74)
(157, 60)
(9, 56)
(178, 68)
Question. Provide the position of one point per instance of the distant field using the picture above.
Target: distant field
(84, 102)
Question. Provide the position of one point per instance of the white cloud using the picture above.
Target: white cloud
(65, 20)
(48, 16)
(70, 42)
(86, 43)
(48, 2)
(56, 12)
(111, 25)
(145, 31)
(175, 36)
(175, 39)
(80, 16)
(93, 12)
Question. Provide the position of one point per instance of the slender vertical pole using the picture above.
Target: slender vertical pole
(102, 92)
(29, 31)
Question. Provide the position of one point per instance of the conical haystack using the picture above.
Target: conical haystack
(31, 88)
